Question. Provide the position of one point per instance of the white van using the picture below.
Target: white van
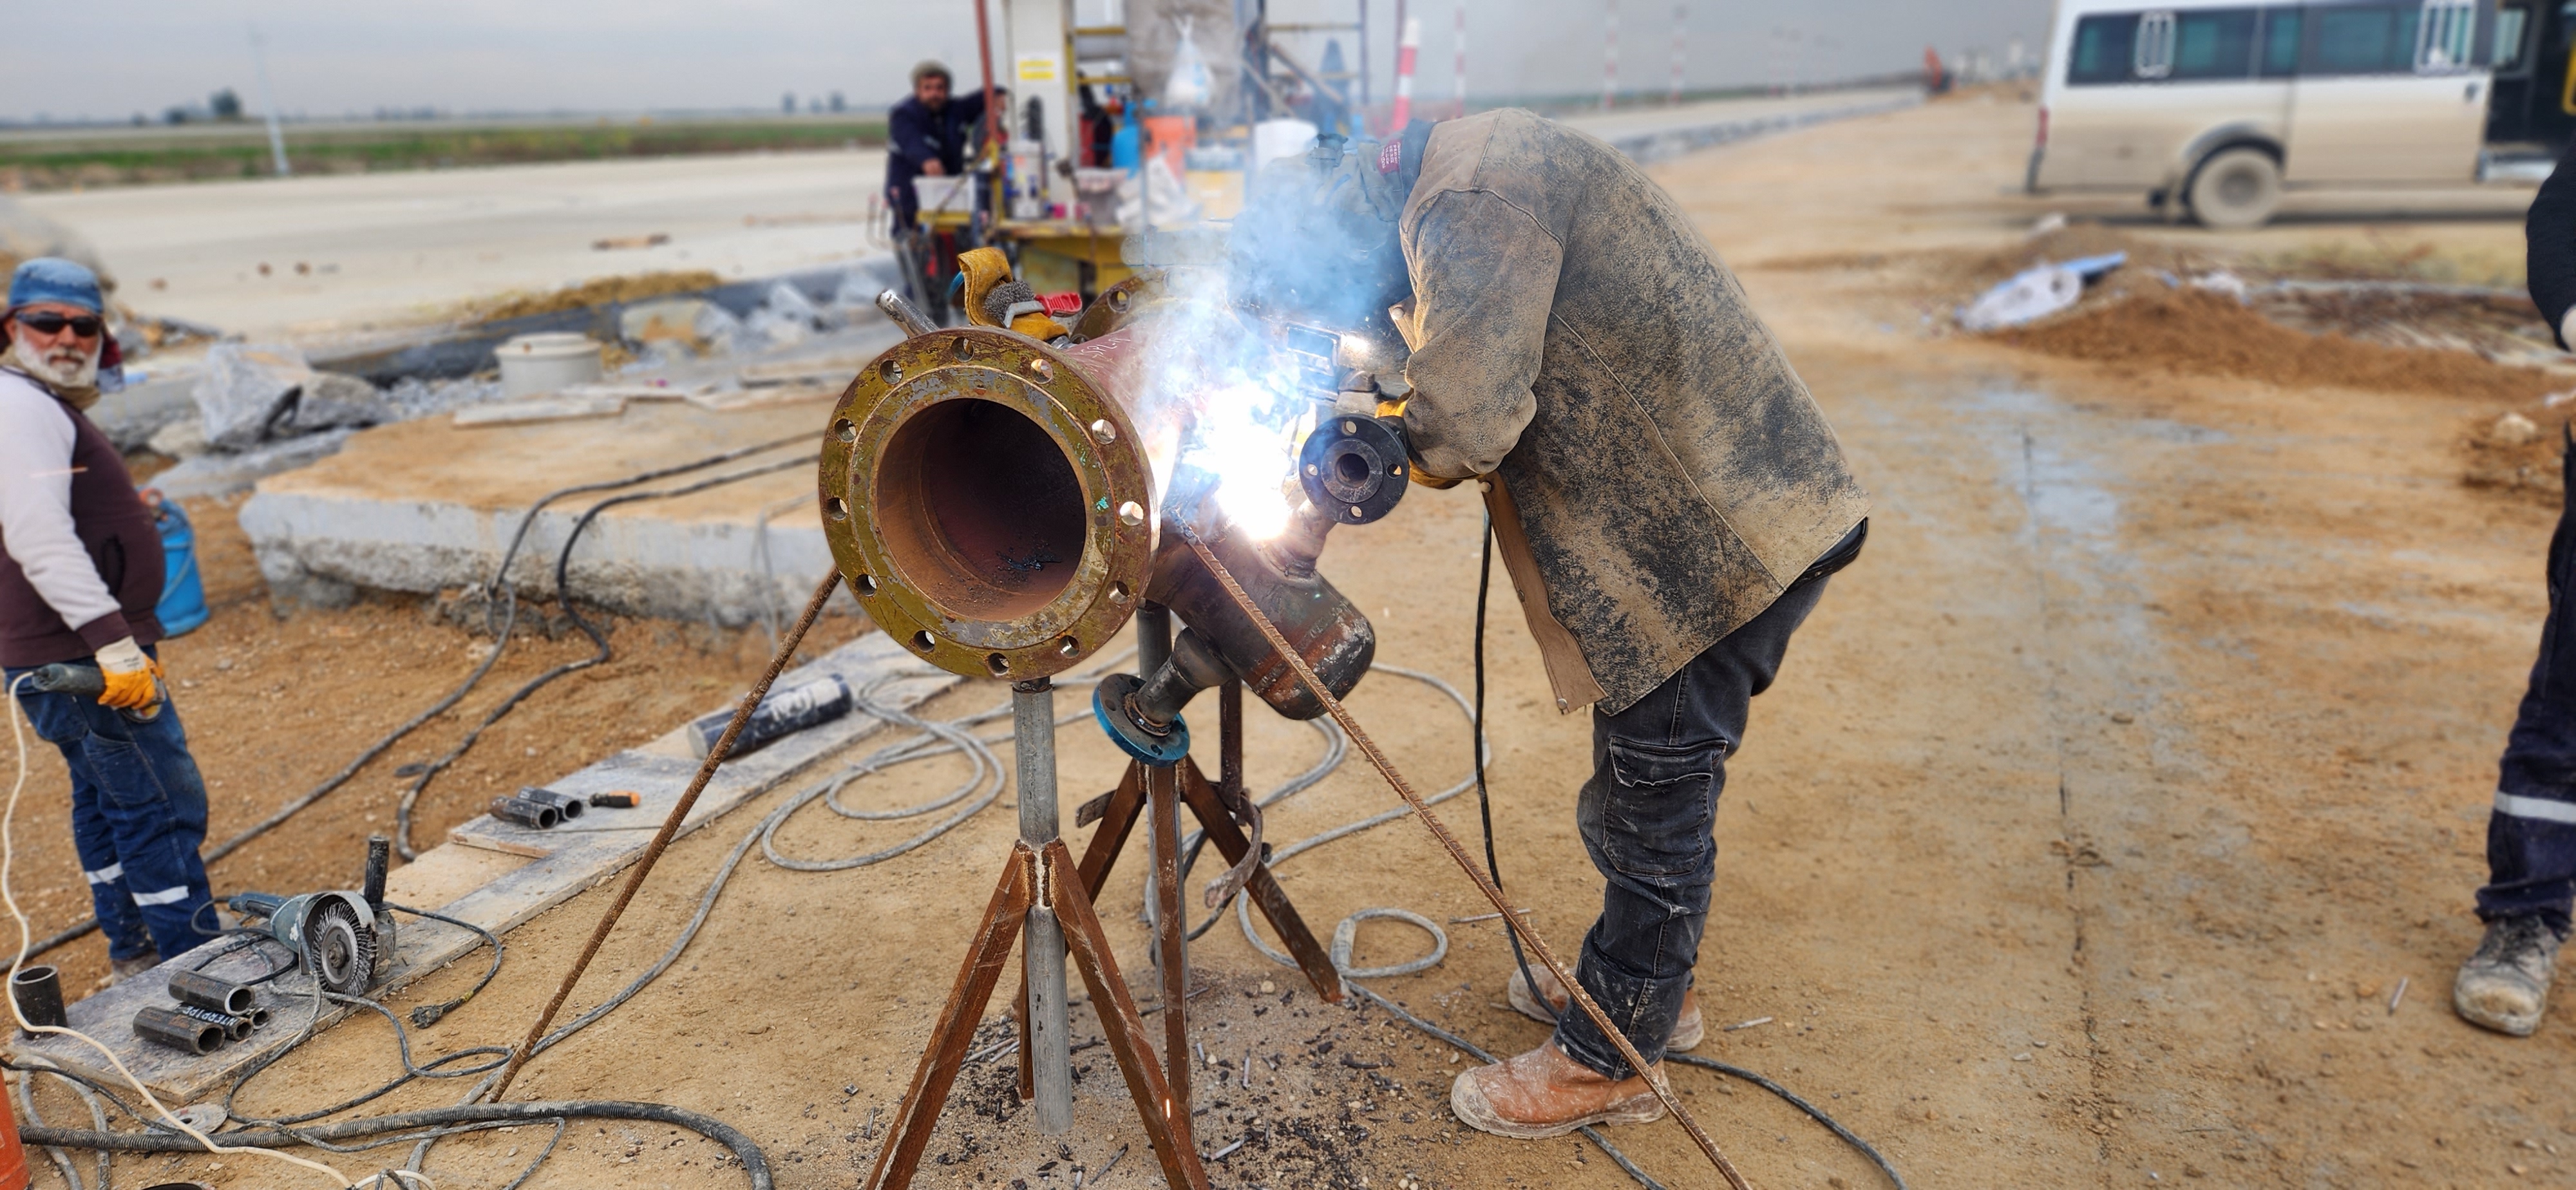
(2212, 108)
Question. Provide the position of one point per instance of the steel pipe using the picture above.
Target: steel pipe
(1048, 1047)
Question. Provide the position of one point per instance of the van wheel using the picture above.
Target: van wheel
(2235, 189)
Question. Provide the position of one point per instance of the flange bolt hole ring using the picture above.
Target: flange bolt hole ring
(836, 508)
(845, 431)
(865, 585)
(922, 641)
(999, 664)
(892, 371)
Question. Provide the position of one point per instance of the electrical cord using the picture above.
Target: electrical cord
(385, 742)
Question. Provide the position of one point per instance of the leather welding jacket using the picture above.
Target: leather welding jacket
(1658, 472)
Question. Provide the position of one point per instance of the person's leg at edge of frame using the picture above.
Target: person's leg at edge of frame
(2531, 833)
(1646, 817)
(58, 720)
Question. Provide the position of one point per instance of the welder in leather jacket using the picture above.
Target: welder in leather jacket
(1665, 493)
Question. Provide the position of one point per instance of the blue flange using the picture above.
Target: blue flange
(1109, 706)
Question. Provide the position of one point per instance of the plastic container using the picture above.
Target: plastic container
(944, 192)
(1127, 147)
(13, 1156)
(545, 363)
(1171, 138)
(183, 590)
(1274, 139)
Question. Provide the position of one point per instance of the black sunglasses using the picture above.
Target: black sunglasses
(46, 322)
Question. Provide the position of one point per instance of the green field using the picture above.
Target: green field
(122, 157)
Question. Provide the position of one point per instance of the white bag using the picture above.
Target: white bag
(1190, 86)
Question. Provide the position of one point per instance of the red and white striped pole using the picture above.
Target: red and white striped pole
(1681, 18)
(1406, 47)
(1460, 83)
(1610, 60)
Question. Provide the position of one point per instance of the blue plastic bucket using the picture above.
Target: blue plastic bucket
(183, 591)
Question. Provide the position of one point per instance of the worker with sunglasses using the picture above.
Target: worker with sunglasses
(80, 574)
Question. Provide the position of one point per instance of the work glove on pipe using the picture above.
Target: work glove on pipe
(133, 679)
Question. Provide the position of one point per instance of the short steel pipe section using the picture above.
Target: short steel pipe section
(173, 1027)
(38, 992)
(208, 992)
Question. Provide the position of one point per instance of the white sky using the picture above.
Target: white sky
(327, 58)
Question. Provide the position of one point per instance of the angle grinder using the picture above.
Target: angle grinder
(347, 937)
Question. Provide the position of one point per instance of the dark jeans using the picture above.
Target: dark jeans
(1647, 815)
(138, 818)
(2531, 836)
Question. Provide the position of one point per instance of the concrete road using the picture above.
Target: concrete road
(398, 247)
(402, 247)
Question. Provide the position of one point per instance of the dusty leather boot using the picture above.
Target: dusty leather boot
(1543, 1093)
(1688, 1029)
(2505, 985)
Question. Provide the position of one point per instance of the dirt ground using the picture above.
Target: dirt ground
(2114, 821)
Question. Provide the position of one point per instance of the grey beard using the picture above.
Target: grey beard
(68, 378)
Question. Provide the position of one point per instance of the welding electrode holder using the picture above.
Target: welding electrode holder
(1354, 467)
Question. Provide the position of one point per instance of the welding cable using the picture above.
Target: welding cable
(1336, 746)
(1484, 799)
(368, 754)
(62, 1160)
(425, 1015)
(1440, 939)
(9, 897)
(601, 652)
(923, 746)
(264, 1140)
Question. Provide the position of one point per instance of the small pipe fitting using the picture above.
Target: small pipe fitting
(210, 993)
(519, 811)
(176, 1029)
(566, 806)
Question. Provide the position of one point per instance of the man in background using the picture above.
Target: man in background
(928, 135)
(80, 575)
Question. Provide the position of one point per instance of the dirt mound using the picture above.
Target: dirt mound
(591, 293)
(2206, 333)
(2519, 450)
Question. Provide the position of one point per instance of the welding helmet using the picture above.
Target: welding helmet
(1316, 242)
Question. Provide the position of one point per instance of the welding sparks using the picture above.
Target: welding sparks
(1252, 456)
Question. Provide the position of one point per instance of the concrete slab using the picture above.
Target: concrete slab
(489, 887)
(429, 505)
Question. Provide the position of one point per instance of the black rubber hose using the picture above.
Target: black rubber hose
(372, 751)
(754, 1164)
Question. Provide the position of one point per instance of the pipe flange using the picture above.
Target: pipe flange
(987, 503)
(1109, 705)
(1353, 467)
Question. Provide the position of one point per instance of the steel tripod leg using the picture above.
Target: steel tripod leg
(949, 1038)
(1166, 1116)
(1171, 943)
(1263, 888)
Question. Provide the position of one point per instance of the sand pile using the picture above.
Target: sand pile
(591, 293)
(2206, 333)
(2521, 449)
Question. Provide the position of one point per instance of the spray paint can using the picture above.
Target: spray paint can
(784, 713)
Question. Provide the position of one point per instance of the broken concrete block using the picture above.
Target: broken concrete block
(181, 439)
(244, 389)
(331, 401)
(216, 473)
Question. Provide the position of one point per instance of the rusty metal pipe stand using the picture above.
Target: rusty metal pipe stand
(1046, 1056)
(1050, 914)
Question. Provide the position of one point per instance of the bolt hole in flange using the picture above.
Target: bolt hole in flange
(845, 430)
(836, 508)
(892, 371)
(1068, 647)
(923, 641)
(866, 585)
(999, 664)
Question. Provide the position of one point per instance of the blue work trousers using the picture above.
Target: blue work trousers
(138, 818)
(2531, 835)
(1647, 817)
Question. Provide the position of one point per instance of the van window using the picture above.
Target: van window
(2362, 39)
(2512, 21)
(2103, 48)
(2280, 50)
(2450, 36)
(2214, 44)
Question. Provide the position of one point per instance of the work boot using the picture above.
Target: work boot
(2505, 985)
(120, 970)
(1688, 1029)
(1543, 1093)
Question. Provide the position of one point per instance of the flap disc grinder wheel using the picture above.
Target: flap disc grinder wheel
(343, 948)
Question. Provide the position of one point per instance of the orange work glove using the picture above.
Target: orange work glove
(133, 678)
